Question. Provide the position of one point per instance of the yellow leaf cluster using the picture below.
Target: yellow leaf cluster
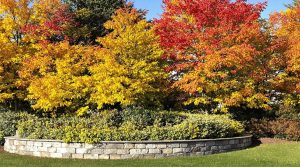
(57, 76)
(15, 45)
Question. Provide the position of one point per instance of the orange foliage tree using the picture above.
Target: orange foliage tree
(286, 27)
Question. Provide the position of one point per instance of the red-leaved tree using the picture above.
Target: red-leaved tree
(52, 22)
(218, 52)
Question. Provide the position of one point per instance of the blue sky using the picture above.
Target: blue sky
(154, 7)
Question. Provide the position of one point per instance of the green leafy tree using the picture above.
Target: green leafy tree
(90, 16)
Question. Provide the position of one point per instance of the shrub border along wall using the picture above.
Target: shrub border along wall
(124, 149)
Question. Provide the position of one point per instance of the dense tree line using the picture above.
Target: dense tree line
(77, 56)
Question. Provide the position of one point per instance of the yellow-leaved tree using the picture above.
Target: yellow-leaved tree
(58, 77)
(128, 71)
(19, 22)
(13, 16)
(124, 70)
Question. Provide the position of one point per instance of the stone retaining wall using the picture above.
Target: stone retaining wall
(123, 150)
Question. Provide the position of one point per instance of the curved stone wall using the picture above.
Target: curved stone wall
(124, 150)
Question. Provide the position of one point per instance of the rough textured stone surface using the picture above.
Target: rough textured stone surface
(77, 156)
(128, 146)
(124, 150)
(154, 151)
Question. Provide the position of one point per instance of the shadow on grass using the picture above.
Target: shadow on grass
(255, 143)
(1, 149)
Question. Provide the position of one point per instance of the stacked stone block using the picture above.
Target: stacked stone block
(124, 150)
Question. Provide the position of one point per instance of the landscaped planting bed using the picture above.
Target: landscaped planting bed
(130, 133)
(130, 125)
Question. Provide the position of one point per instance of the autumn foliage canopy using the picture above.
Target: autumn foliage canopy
(217, 51)
(210, 54)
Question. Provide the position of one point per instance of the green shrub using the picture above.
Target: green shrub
(8, 123)
(2, 137)
(130, 125)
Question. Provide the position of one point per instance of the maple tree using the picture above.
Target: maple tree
(57, 76)
(13, 15)
(286, 27)
(19, 22)
(217, 52)
(129, 63)
(51, 21)
(7, 68)
(125, 70)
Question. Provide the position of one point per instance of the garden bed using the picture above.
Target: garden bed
(130, 125)
(124, 149)
(126, 134)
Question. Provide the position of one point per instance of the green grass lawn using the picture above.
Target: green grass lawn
(266, 155)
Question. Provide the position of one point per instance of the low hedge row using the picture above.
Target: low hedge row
(130, 125)
(9, 121)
